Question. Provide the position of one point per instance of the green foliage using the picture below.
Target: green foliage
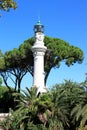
(7, 4)
(0, 81)
(80, 110)
(62, 50)
(30, 109)
(6, 99)
(66, 97)
(2, 61)
(38, 112)
(13, 67)
(58, 50)
(18, 62)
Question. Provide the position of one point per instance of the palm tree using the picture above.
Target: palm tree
(32, 111)
(66, 96)
(79, 112)
(59, 112)
(48, 111)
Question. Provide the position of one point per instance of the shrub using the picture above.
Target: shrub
(6, 99)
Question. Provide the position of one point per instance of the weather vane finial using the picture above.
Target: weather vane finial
(38, 18)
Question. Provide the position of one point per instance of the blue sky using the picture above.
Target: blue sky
(64, 19)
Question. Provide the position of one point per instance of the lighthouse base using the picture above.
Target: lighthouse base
(42, 90)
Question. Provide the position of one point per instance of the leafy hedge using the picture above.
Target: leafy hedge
(6, 99)
(64, 107)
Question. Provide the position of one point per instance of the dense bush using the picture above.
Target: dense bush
(6, 99)
(63, 108)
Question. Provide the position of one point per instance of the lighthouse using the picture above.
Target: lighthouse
(39, 50)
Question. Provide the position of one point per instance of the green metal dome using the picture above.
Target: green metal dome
(38, 23)
(39, 27)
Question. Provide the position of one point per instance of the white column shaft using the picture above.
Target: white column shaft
(39, 69)
(39, 50)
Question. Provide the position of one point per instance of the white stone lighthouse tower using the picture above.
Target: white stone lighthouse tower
(39, 50)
